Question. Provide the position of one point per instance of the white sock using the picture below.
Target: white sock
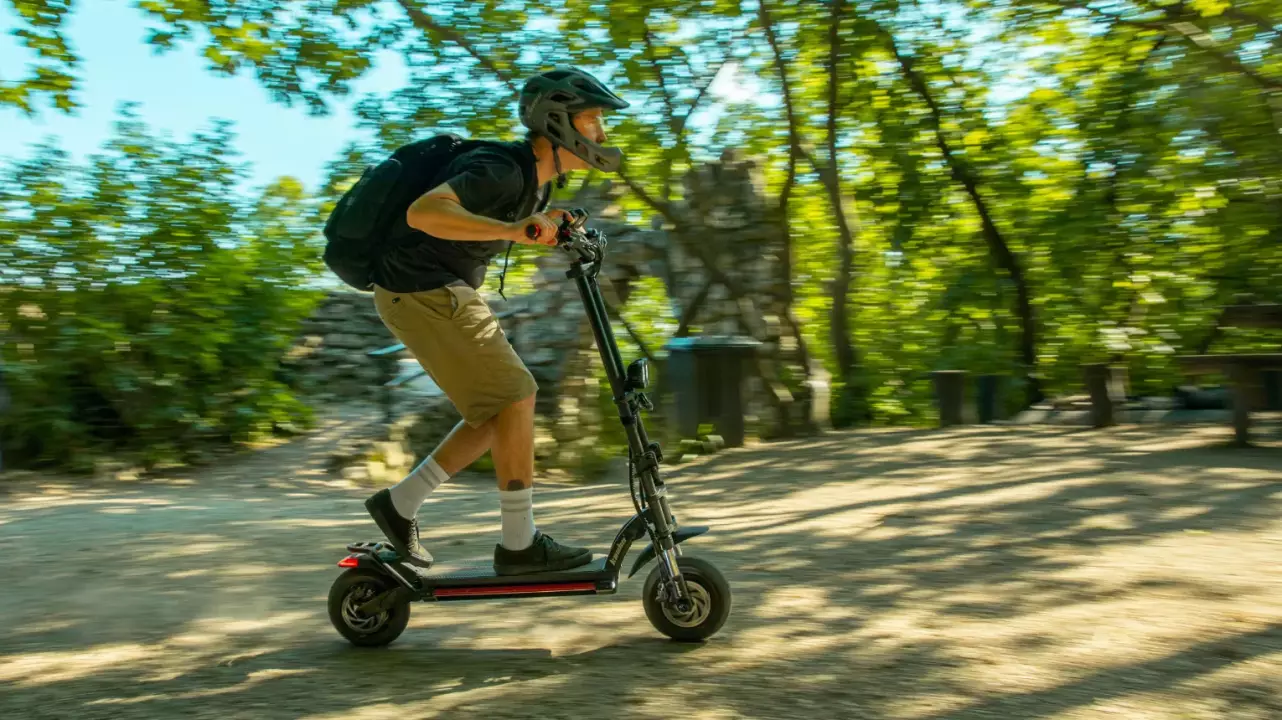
(409, 493)
(517, 510)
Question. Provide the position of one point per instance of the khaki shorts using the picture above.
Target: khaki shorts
(458, 341)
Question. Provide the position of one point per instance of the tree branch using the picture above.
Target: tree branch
(999, 249)
(1192, 34)
(1130, 88)
(673, 123)
(662, 206)
(1228, 12)
(424, 22)
(613, 312)
(794, 137)
(1202, 40)
(794, 151)
(834, 84)
(703, 89)
(690, 310)
(1256, 20)
(839, 330)
(648, 38)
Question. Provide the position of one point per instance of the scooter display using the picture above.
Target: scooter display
(685, 598)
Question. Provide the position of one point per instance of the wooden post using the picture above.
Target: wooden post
(1240, 391)
(950, 388)
(1097, 384)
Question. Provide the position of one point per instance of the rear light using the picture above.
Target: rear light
(350, 561)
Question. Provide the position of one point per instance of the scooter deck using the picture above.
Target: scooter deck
(485, 575)
(480, 582)
(476, 581)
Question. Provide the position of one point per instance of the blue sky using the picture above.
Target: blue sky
(177, 96)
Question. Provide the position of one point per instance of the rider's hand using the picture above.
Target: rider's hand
(558, 215)
(544, 223)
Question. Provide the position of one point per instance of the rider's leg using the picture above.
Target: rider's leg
(523, 549)
(459, 342)
(459, 449)
(444, 336)
(463, 446)
(513, 453)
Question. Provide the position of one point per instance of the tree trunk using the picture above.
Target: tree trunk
(854, 400)
(794, 153)
(997, 246)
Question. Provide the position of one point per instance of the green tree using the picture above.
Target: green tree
(145, 303)
(1011, 188)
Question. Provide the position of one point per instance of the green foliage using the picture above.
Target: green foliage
(50, 73)
(144, 303)
(1127, 155)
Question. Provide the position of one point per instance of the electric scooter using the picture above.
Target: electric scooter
(685, 598)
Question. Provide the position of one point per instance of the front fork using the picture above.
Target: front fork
(659, 515)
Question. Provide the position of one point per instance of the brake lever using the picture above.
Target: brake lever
(572, 238)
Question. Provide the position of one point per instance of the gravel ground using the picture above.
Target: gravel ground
(994, 572)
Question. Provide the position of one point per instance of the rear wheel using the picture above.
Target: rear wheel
(349, 591)
(709, 595)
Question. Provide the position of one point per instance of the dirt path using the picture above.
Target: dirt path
(976, 573)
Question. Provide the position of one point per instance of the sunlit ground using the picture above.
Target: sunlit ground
(971, 573)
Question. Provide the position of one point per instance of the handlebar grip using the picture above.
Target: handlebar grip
(532, 231)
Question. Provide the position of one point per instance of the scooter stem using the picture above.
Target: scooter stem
(585, 277)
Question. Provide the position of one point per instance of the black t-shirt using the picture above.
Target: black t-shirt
(495, 182)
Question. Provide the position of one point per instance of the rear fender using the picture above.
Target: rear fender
(384, 562)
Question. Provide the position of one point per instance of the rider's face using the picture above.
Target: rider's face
(592, 124)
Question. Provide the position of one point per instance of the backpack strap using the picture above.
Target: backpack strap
(541, 205)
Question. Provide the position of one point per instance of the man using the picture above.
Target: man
(426, 294)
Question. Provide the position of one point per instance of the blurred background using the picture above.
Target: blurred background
(874, 191)
(907, 253)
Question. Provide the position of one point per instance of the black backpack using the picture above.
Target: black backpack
(365, 220)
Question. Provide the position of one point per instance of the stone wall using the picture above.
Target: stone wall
(330, 353)
(728, 214)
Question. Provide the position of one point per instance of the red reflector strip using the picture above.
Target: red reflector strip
(350, 561)
(514, 589)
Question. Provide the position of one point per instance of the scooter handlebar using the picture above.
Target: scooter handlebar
(589, 245)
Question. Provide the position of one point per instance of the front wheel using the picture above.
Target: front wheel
(349, 591)
(709, 594)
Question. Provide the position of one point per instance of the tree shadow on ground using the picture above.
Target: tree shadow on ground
(920, 574)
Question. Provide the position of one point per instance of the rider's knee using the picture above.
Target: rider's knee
(514, 406)
(525, 402)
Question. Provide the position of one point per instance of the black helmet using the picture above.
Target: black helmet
(549, 99)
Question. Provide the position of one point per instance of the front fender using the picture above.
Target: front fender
(681, 535)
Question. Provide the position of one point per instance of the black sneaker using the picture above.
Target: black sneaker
(543, 555)
(401, 532)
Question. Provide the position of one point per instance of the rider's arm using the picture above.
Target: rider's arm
(440, 213)
(479, 184)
